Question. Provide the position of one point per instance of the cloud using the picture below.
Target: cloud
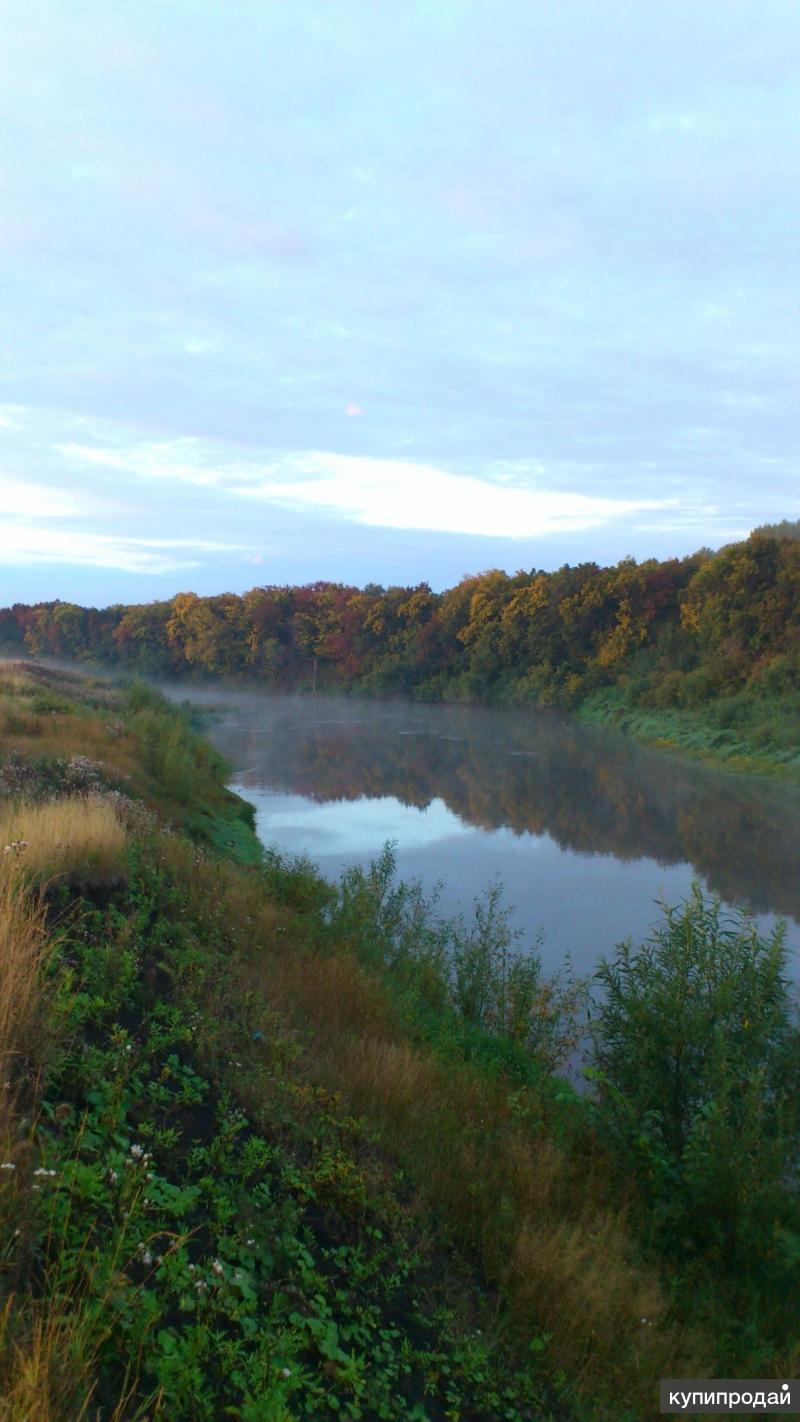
(35, 500)
(178, 460)
(389, 493)
(376, 492)
(24, 544)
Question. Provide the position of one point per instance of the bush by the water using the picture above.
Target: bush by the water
(697, 1067)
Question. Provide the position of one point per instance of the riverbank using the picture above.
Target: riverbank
(279, 1150)
(222, 1184)
(742, 734)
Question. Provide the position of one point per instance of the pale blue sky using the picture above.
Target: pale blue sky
(345, 289)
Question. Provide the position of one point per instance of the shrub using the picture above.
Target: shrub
(476, 966)
(697, 1064)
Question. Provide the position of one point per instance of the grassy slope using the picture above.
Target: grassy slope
(744, 734)
(274, 1187)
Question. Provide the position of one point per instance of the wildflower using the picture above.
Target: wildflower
(8, 1165)
(41, 1172)
(218, 1268)
(137, 1151)
(192, 1268)
(113, 1177)
(147, 1257)
(284, 1372)
(250, 1241)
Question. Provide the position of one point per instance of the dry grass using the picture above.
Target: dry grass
(22, 947)
(65, 734)
(79, 837)
(38, 1369)
(27, 677)
(16, 680)
(46, 1361)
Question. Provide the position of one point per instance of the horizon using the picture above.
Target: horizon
(348, 296)
(361, 587)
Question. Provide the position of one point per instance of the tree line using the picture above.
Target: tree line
(678, 632)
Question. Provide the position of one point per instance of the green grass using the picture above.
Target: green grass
(748, 735)
(230, 1230)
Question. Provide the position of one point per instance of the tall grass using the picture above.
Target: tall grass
(22, 947)
(79, 836)
(38, 1364)
(48, 1357)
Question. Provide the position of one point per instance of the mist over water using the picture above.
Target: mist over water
(586, 830)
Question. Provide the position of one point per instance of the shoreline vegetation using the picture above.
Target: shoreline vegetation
(699, 655)
(275, 1149)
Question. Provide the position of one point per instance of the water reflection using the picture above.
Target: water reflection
(585, 827)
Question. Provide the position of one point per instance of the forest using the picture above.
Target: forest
(715, 634)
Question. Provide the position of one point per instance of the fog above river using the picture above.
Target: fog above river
(585, 829)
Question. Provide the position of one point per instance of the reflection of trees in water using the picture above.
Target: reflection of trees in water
(593, 792)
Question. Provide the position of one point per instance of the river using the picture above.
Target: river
(585, 829)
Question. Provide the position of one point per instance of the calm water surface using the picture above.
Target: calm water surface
(585, 829)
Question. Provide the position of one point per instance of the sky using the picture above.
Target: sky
(347, 290)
